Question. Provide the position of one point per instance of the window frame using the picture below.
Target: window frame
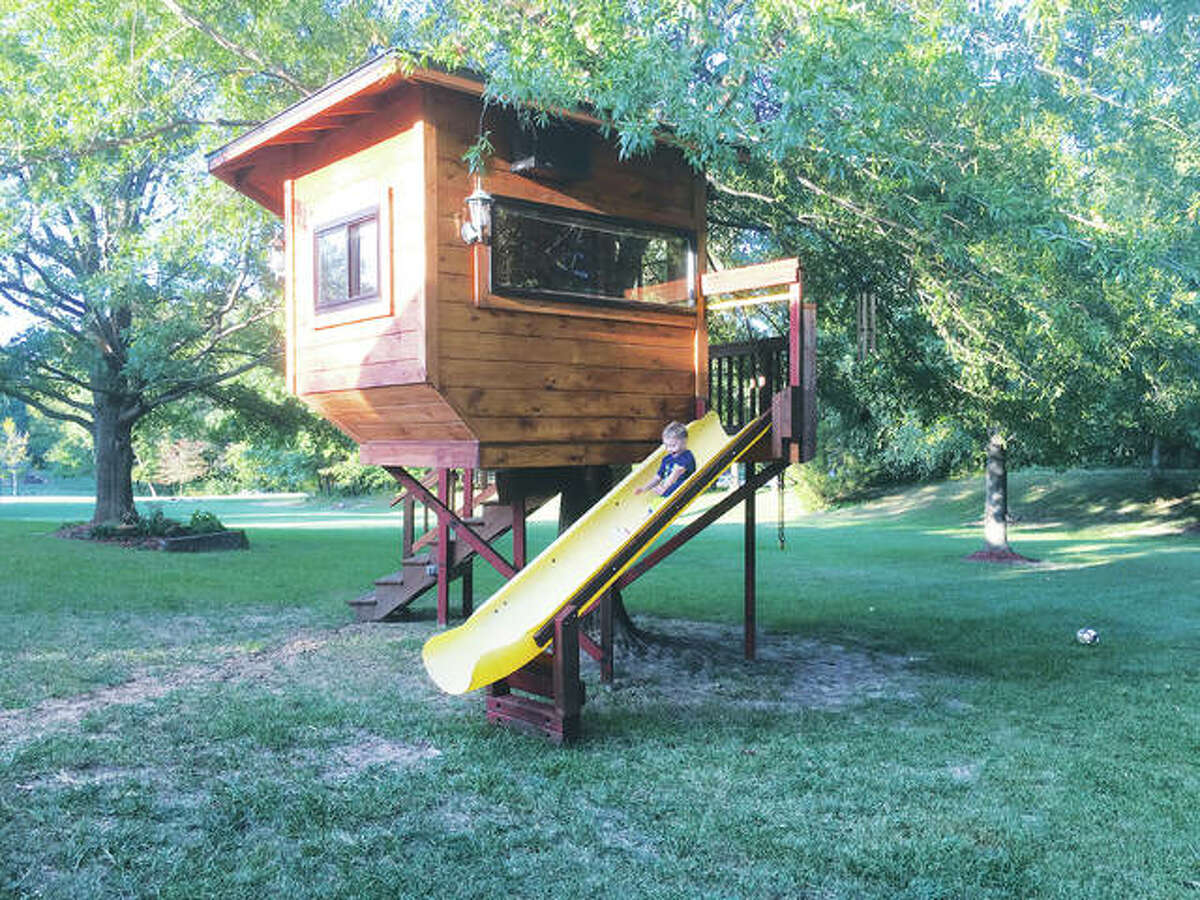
(371, 213)
(565, 301)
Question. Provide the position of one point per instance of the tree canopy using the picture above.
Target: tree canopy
(1016, 184)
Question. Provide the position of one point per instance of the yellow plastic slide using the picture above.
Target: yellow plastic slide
(500, 637)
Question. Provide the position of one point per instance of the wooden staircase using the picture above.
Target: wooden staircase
(419, 571)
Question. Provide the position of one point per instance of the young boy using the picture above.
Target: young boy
(676, 466)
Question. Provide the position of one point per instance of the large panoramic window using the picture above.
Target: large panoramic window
(347, 256)
(549, 252)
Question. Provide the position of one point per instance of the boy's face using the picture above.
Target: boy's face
(674, 443)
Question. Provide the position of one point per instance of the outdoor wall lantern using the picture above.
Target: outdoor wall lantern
(479, 207)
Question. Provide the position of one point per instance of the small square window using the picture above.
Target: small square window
(347, 267)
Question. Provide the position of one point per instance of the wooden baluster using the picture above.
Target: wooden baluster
(409, 513)
(442, 553)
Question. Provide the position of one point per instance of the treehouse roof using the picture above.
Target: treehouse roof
(258, 162)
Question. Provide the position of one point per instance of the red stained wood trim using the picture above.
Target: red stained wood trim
(568, 691)
(525, 713)
(590, 647)
(445, 491)
(693, 528)
(535, 677)
(448, 517)
(750, 571)
(519, 533)
(795, 335)
(289, 283)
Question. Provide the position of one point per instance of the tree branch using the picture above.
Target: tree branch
(219, 336)
(237, 49)
(38, 311)
(65, 301)
(195, 384)
(67, 376)
(1088, 91)
(34, 401)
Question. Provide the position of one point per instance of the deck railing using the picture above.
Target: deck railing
(744, 376)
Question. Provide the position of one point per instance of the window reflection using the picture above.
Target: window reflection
(348, 260)
(547, 251)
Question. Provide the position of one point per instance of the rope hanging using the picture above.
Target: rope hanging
(779, 493)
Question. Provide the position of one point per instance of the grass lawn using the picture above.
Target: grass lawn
(916, 726)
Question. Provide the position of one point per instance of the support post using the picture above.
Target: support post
(468, 479)
(518, 533)
(442, 550)
(606, 635)
(408, 534)
(567, 698)
(750, 568)
(468, 588)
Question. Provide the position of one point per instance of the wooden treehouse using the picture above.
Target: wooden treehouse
(534, 321)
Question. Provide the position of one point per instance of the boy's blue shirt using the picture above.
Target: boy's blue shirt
(671, 460)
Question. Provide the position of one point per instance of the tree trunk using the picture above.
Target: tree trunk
(995, 504)
(585, 485)
(113, 446)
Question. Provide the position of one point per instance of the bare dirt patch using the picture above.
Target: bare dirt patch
(69, 778)
(685, 664)
(22, 725)
(690, 663)
(372, 750)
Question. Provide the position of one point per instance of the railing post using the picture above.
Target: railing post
(750, 547)
(409, 513)
(445, 486)
(468, 507)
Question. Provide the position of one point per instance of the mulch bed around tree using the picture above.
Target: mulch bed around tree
(233, 539)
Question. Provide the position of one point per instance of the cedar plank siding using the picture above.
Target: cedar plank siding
(365, 368)
(425, 375)
(580, 385)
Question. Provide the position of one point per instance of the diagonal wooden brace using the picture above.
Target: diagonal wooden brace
(461, 528)
(636, 571)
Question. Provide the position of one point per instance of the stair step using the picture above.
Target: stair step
(367, 599)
